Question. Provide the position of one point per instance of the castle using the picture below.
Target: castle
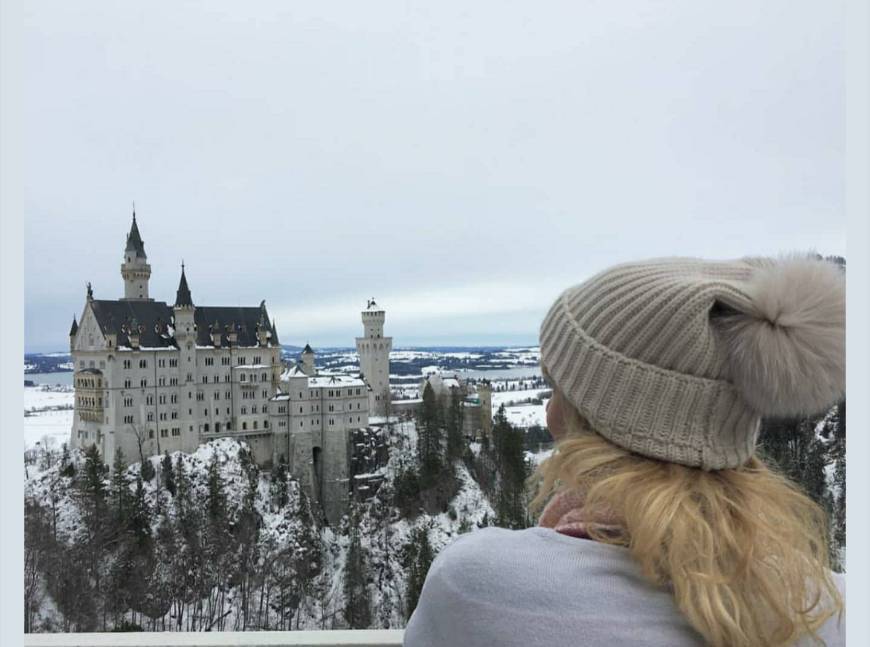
(153, 378)
(476, 401)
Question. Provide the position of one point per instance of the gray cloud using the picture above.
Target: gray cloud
(461, 163)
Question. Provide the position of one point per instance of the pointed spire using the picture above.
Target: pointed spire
(182, 296)
(275, 333)
(307, 349)
(74, 328)
(134, 239)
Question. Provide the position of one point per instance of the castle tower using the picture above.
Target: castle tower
(374, 357)
(135, 269)
(308, 361)
(484, 394)
(185, 337)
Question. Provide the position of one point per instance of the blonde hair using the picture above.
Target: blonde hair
(743, 550)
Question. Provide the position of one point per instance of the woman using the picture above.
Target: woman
(661, 526)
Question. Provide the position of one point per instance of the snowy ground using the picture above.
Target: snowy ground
(44, 417)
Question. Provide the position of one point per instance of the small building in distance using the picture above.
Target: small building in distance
(476, 400)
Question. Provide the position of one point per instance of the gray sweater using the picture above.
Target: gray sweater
(538, 587)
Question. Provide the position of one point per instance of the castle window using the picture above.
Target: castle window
(127, 384)
(143, 383)
(150, 416)
(143, 363)
(357, 391)
(244, 426)
(164, 433)
(151, 433)
(301, 423)
(244, 411)
(126, 363)
(255, 424)
(243, 378)
(205, 379)
(176, 431)
(205, 427)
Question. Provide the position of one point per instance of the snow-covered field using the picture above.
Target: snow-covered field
(43, 416)
(527, 415)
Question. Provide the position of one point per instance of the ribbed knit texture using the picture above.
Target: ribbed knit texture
(635, 352)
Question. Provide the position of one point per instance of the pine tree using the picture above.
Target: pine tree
(216, 500)
(67, 468)
(455, 437)
(357, 602)
(120, 489)
(139, 524)
(278, 489)
(429, 438)
(147, 470)
(417, 558)
(93, 489)
(510, 460)
(168, 474)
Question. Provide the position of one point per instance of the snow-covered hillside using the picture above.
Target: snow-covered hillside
(383, 534)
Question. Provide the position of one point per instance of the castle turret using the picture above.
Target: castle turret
(135, 269)
(374, 357)
(185, 337)
(72, 334)
(308, 361)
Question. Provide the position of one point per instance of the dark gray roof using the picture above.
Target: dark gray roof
(153, 320)
(74, 328)
(182, 296)
(307, 349)
(134, 240)
(245, 322)
(150, 318)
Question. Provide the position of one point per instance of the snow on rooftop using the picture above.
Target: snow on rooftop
(334, 380)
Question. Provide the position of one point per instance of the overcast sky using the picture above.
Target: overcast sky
(462, 162)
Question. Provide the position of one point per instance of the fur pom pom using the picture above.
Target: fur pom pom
(787, 349)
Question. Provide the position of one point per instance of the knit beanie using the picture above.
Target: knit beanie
(678, 359)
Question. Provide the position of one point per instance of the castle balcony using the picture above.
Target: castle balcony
(332, 638)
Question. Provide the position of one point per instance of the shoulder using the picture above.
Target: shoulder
(499, 556)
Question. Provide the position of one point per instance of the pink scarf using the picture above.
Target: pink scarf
(566, 513)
